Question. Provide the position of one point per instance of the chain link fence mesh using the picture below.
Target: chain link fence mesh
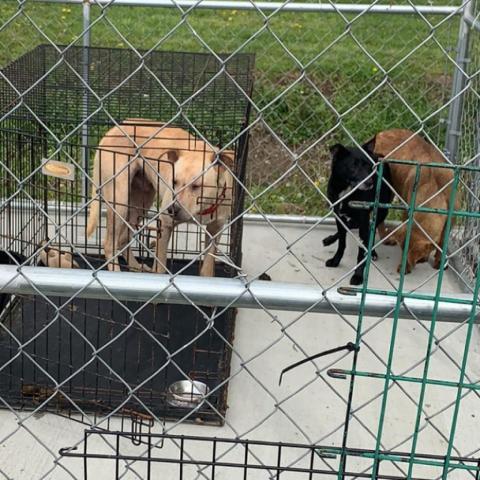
(92, 387)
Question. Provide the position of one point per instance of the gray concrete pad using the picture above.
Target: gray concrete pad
(309, 406)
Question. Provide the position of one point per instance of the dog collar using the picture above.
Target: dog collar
(213, 208)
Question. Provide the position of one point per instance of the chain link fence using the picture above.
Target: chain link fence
(203, 133)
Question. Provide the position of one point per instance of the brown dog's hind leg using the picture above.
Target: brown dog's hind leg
(408, 268)
(437, 260)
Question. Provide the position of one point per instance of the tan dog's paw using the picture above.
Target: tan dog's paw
(114, 267)
(142, 268)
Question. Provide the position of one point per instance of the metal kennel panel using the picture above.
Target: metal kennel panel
(324, 379)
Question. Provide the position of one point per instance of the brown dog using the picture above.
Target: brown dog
(433, 191)
(140, 160)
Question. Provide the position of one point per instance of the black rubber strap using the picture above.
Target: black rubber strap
(349, 346)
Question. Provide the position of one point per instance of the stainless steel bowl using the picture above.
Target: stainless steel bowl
(186, 393)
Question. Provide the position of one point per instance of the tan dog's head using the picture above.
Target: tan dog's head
(201, 184)
(419, 253)
(419, 249)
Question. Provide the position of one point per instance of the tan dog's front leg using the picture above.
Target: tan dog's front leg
(208, 264)
(163, 238)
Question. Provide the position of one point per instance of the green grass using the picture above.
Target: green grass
(290, 49)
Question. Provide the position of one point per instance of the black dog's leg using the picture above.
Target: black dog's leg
(364, 230)
(341, 235)
(381, 216)
(330, 239)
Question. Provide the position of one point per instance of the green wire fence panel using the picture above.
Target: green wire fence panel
(239, 240)
(456, 389)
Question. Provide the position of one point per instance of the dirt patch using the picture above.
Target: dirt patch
(439, 86)
(268, 159)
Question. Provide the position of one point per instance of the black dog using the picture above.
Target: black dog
(350, 168)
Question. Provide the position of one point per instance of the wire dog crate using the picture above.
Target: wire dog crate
(69, 101)
(153, 454)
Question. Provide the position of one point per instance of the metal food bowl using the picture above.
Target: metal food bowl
(186, 393)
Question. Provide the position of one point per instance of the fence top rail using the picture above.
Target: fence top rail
(220, 292)
(276, 6)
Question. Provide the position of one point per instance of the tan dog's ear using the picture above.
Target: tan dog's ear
(227, 157)
(170, 155)
(225, 162)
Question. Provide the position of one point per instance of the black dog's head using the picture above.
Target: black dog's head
(352, 166)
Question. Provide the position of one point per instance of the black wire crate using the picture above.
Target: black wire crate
(70, 97)
(147, 455)
(88, 355)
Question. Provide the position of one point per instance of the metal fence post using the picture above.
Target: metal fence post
(85, 76)
(458, 84)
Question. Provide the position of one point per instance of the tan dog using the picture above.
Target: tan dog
(168, 163)
(52, 257)
(433, 191)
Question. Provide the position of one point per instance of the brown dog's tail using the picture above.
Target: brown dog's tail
(94, 212)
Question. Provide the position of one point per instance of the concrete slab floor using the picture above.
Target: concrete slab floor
(309, 406)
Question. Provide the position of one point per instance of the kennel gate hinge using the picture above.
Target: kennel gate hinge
(138, 422)
(351, 347)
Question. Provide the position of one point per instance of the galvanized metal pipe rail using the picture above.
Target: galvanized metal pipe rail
(274, 6)
(219, 292)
